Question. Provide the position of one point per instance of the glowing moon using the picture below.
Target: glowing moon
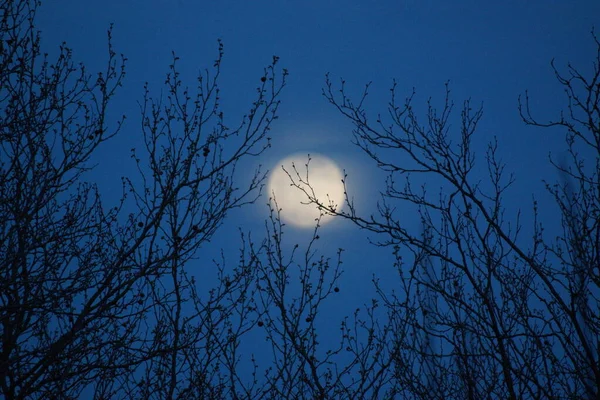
(325, 178)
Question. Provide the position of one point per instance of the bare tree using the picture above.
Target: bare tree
(292, 287)
(512, 317)
(96, 298)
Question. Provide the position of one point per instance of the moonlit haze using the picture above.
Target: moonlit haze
(430, 126)
(325, 178)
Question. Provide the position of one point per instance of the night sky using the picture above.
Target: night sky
(490, 52)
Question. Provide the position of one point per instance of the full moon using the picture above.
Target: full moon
(325, 179)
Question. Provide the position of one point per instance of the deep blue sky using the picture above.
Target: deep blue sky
(490, 51)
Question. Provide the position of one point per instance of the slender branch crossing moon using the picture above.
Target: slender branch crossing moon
(324, 178)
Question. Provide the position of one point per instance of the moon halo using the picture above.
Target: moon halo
(324, 177)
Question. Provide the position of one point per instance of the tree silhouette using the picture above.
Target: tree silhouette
(513, 317)
(95, 297)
